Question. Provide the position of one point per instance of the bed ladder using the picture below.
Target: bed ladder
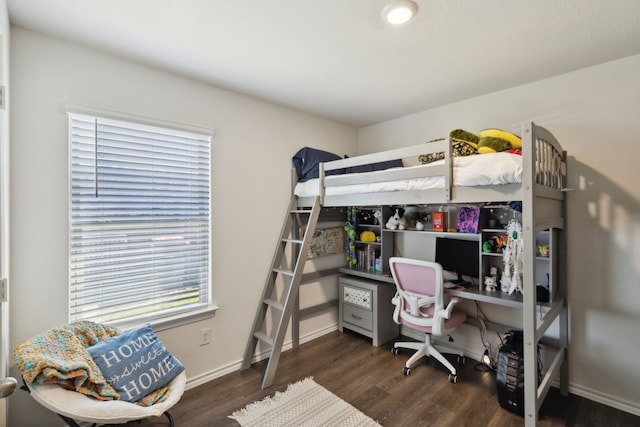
(280, 293)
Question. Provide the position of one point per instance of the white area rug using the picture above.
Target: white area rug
(304, 403)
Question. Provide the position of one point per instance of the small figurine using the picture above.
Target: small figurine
(501, 243)
(490, 283)
(543, 250)
(377, 217)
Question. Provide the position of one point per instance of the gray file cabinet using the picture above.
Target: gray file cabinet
(365, 307)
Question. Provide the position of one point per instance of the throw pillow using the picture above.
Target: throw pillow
(135, 363)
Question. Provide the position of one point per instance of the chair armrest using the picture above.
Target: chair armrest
(415, 301)
(446, 313)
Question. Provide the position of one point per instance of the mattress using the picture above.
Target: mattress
(468, 171)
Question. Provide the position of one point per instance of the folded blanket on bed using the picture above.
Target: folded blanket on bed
(59, 356)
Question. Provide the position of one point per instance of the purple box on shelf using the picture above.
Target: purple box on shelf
(468, 219)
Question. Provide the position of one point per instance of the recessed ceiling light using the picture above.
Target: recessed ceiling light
(399, 12)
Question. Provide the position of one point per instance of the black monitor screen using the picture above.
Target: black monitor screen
(458, 256)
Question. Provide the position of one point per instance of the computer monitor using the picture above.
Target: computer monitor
(458, 256)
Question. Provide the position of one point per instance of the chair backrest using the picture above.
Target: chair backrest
(419, 298)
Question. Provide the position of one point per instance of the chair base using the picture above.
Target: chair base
(426, 349)
(72, 423)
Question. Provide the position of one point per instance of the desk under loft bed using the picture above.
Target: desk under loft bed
(536, 180)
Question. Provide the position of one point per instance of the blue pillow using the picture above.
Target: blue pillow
(306, 162)
(135, 363)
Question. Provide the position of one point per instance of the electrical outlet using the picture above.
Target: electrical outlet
(205, 336)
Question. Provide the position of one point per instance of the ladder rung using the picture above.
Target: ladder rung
(300, 211)
(274, 304)
(298, 241)
(285, 272)
(264, 338)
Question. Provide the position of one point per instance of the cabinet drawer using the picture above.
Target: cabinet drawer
(357, 296)
(358, 316)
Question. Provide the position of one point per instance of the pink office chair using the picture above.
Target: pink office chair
(419, 302)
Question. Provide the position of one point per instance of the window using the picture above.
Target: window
(139, 220)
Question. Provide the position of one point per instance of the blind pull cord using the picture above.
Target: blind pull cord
(95, 155)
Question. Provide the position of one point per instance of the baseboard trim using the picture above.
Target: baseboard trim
(235, 366)
(587, 393)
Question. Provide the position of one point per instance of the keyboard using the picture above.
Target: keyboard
(450, 285)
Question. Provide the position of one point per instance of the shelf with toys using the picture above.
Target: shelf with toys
(372, 233)
(367, 253)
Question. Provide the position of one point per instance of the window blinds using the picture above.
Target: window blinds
(139, 219)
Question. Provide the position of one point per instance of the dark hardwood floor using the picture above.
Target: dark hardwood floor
(370, 378)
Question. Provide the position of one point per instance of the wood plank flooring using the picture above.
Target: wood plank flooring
(370, 378)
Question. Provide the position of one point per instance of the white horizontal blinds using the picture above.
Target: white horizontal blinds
(140, 213)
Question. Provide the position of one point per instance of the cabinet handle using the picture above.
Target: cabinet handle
(356, 317)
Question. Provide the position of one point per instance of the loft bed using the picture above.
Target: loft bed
(536, 178)
(497, 177)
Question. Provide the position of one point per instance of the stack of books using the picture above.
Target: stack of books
(369, 260)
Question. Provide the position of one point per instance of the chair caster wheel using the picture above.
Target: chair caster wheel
(462, 360)
(394, 350)
(453, 378)
(406, 371)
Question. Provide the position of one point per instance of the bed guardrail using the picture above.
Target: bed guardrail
(393, 174)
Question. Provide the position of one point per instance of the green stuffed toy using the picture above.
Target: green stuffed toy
(496, 140)
(465, 136)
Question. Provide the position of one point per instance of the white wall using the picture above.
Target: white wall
(251, 152)
(595, 113)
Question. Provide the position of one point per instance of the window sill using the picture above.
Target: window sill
(160, 323)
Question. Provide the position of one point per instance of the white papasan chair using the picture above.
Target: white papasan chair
(72, 406)
(58, 357)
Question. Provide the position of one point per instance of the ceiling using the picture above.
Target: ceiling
(336, 58)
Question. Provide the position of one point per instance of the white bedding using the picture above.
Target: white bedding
(468, 171)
